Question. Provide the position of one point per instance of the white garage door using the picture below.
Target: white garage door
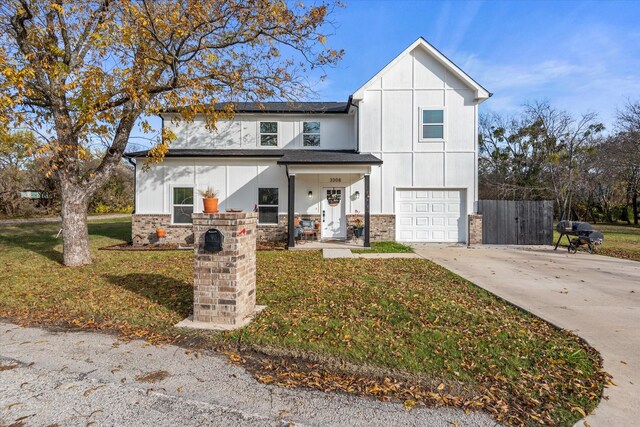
(430, 215)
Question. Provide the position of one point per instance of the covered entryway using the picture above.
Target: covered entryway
(333, 218)
(430, 215)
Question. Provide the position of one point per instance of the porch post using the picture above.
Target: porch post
(367, 215)
(290, 211)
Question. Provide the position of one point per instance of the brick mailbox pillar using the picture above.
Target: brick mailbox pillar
(224, 282)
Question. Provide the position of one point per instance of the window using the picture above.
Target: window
(269, 134)
(311, 134)
(182, 205)
(432, 124)
(268, 205)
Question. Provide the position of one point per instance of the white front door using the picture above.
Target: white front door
(332, 217)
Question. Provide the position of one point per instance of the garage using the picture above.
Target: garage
(430, 215)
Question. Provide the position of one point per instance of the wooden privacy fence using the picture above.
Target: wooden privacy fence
(516, 222)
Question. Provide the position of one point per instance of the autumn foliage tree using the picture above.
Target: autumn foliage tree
(87, 70)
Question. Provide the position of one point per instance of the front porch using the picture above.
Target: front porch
(314, 245)
(340, 180)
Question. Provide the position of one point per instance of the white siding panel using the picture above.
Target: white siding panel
(428, 169)
(199, 136)
(241, 187)
(429, 98)
(371, 116)
(180, 130)
(150, 189)
(274, 176)
(460, 120)
(375, 189)
(400, 76)
(429, 73)
(397, 122)
(460, 170)
(226, 135)
(396, 172)
(211, 174)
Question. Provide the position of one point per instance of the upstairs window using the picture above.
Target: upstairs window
(269, 134)
(268, 205)
(432, 124)
(311, 134)
(182, 205)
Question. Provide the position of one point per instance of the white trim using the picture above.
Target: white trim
(481, 93)
(329, 169)
(421, 137)
(259, 138)
(171, 204)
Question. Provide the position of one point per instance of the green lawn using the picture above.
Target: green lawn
(397, 328)
(385, 247)
(620, 241)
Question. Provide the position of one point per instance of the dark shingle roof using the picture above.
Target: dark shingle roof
(282, 107)
(286, 157)
(314, 157)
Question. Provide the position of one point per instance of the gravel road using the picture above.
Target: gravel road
(86, 378)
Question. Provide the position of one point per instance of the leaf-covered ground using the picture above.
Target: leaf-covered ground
(395, 329)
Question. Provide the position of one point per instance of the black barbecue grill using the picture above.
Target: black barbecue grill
(583, 234)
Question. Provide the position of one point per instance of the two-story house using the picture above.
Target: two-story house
(401, 154)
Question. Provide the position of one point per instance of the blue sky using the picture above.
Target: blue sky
(581, 56)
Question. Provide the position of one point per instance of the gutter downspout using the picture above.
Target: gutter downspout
(357, 123)
(135, 182)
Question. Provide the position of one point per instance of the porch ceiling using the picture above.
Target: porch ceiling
(317, 157)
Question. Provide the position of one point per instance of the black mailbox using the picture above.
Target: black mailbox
(213, 240)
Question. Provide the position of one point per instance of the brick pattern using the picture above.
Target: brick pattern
(225, 282)
(475, 229)
(143, 230)
(383, 227)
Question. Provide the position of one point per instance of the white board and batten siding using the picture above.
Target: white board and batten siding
(441, 170)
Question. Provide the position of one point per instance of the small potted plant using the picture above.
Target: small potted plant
(210, 200)
(358, 227)
(161, 232)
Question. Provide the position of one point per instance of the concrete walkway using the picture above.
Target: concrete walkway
(88, 378)
(57, 219)
(595, 296)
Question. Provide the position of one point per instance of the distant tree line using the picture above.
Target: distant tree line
(23, 169)
(546, 153)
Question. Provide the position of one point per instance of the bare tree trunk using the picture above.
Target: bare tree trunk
(74, 227)
(634, 201)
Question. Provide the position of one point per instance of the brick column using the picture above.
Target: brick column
(475, 229)
(224, 288)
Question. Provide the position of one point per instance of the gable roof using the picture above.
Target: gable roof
(481, 93)
(281, 107)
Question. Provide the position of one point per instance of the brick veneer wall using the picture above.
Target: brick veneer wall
(383, 227)
(475, 229)
(143, 229)
(225, 282)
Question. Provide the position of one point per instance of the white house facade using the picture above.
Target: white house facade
(400, 155)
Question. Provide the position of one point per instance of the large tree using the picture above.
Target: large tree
(86, 70)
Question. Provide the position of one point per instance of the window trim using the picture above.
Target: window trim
(277, 134)
(173, 205)
(319, 133)
(421, 123)
(277, 206)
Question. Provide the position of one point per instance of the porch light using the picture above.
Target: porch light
(310, 194)
(356, 195)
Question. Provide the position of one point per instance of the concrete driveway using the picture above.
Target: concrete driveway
(595, 296)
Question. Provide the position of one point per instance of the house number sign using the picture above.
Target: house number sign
(335, 179)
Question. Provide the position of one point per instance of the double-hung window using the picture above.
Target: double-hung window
(269, 134)
(182, 205)
(268, 205)
(311, 134)
(432, 124)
